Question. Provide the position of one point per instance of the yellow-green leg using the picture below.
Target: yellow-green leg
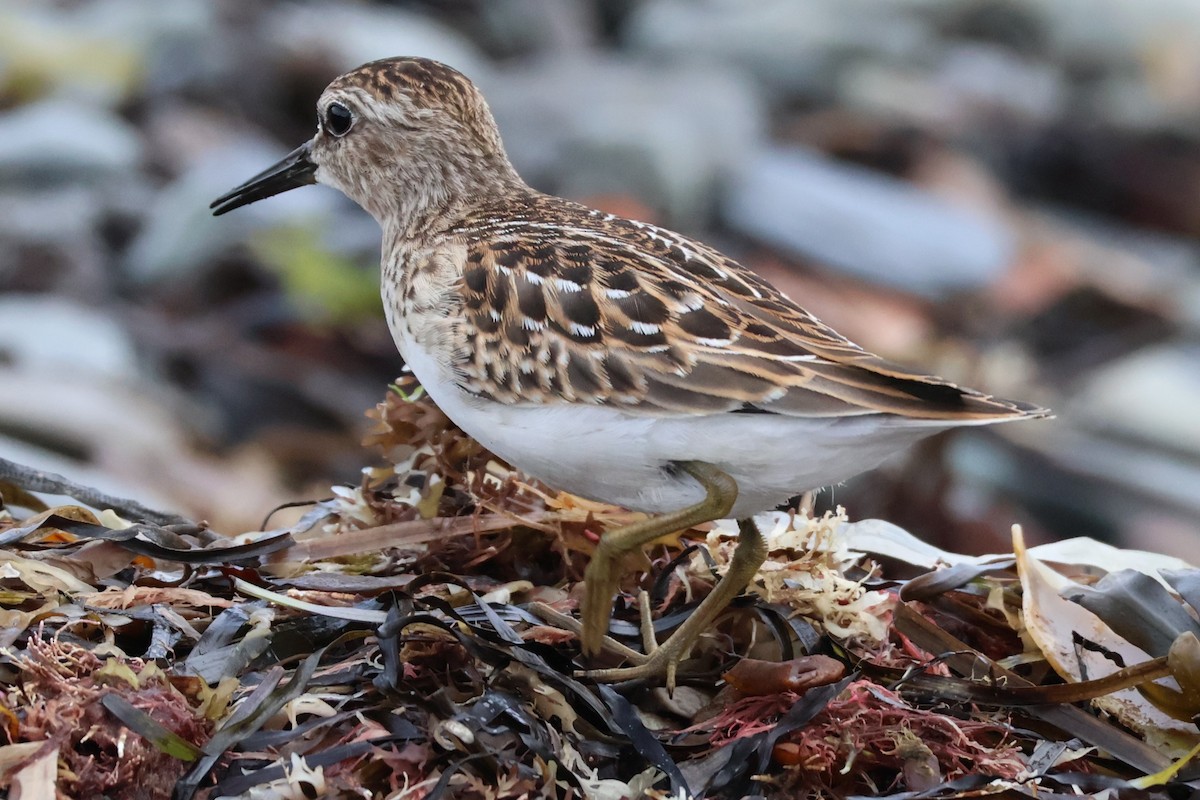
(750, 554)
(602, 578)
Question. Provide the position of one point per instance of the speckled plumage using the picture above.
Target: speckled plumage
(609, 357)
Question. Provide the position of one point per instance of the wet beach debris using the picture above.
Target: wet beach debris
(413, 636)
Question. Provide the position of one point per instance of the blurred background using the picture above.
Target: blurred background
(1005, 192)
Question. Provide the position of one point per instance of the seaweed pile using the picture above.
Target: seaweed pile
(412, 637)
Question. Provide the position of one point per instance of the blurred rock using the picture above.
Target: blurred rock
(51, 239)
(1188, 300)
(1146, 179)
(1046, 268)
(53, 215)
(102, 478)
(968, 88)
(1086, 328)
(1151, 395)
(585, 125)
(1155, 270)
(1139, 61)
(65, 169)
(901, 94)
(1014, 26)
(55, 335)
(187, 46)
(1172, 70)
(517, 27)
(130, 432)
(1112, 480)
(350, 35)
(985, 463)
(789, 45)
(1160, 531)
(1113, 30)
(866, 224)
(178, 135)
(1161, 94)
(989, 78)
(960, 180)
(61, 141)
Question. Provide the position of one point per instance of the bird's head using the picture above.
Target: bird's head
(407, 139)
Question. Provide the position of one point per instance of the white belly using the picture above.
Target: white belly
(609, 455)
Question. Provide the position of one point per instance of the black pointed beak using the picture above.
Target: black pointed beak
(294, 170)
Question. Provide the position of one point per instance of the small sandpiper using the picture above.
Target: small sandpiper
(608, 357)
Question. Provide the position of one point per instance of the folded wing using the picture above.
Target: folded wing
(599, 309)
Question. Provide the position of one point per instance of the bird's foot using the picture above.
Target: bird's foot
(601, 581)
(663, 661)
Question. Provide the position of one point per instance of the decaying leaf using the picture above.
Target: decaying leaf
(1080, 646)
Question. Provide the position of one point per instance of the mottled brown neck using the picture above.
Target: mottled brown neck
(416, 217)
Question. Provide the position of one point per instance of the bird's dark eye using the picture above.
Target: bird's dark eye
(338, 119)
